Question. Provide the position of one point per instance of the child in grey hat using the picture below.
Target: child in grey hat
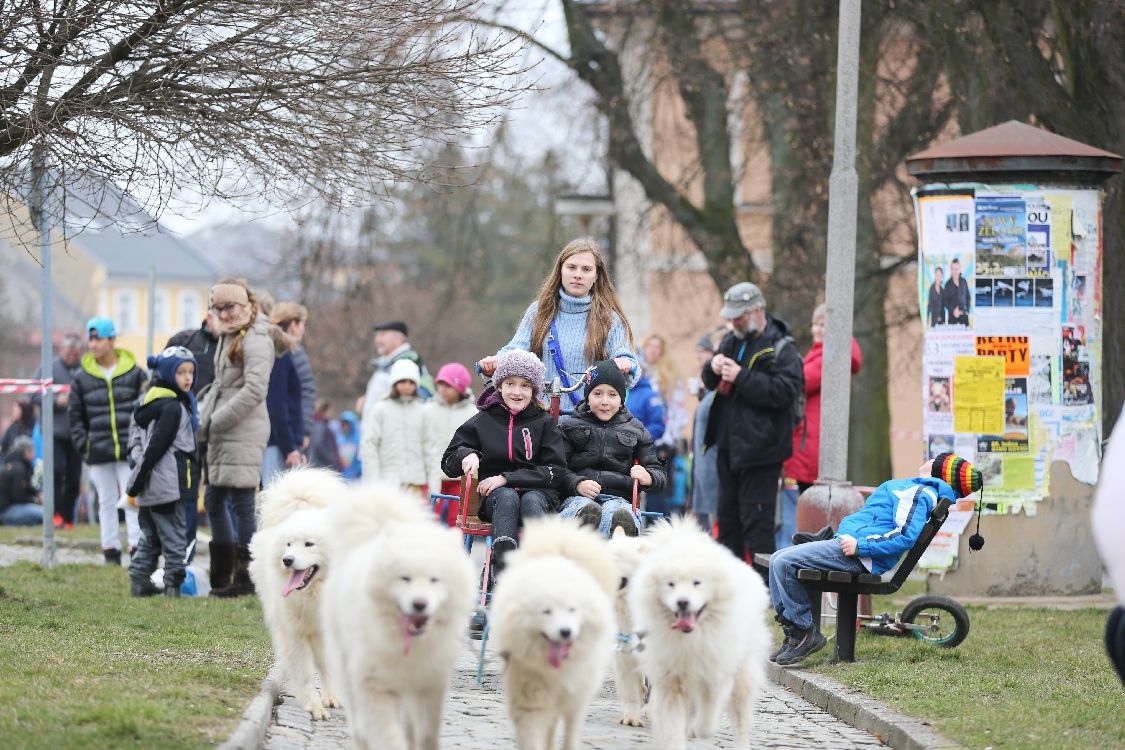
(515, 449)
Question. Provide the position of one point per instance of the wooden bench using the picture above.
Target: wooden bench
(849, 586)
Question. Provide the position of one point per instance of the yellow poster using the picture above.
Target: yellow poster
(978, 395)
(1019, 472)
(1060, 226)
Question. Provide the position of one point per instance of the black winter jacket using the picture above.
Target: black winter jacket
(606, 451)
(99, 414)
(202, 344)
(526, 448)
(15, 481)
(754, 422)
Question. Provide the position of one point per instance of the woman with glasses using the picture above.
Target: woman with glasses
(237, 427)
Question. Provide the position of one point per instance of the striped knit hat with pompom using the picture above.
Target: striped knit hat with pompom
(962, 476)
(965, 479)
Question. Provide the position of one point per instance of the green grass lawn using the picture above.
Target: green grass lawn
(84, 665)
(1024, 678)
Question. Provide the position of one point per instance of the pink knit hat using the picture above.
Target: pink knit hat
(455, 375)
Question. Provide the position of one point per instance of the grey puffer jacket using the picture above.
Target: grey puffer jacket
(161, 449)
(240, 423)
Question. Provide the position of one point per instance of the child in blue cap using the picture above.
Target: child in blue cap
(161, 454)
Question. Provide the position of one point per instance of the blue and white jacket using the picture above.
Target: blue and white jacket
(891, 520)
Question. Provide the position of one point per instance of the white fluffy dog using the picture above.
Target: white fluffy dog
(554, 628)
(706, 638)
(392, 628)
(628, 552)
(289, 562)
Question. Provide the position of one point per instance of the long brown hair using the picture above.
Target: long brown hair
(604, 303)
(234, 354)
(667, 374)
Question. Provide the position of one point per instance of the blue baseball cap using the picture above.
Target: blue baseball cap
(103, 328)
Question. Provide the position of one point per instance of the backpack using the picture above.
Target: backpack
(797, 408)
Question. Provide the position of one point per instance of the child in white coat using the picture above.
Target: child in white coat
(441, 416)
(393, 449)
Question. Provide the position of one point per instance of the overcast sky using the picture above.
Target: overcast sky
(558, 115)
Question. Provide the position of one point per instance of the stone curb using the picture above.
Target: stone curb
(250, 733)
(895, 729)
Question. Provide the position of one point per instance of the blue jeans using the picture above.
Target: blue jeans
(22, 514)
(608, 503)
(790, 598)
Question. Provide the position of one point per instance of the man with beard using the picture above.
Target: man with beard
(757, 375)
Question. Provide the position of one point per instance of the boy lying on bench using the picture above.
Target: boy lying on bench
(871, 540)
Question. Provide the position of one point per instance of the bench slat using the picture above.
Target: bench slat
(840, 576)
(808, 574)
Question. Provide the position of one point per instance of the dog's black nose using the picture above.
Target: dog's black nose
(564, 633)
(287, 561)
(419, 605)
(682, 603)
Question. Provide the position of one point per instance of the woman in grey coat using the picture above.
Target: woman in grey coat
(236, 430)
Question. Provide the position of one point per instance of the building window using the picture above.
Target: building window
(189, 313)
(161, 315)
(125, 310)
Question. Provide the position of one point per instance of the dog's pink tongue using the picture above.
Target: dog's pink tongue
(407, 636)
(685, 621)
(294, 582)
(557, 652)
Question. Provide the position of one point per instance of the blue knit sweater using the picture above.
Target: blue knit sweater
(571, 324)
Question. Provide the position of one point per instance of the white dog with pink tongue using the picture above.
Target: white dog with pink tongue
(703, 616)
(553, 625)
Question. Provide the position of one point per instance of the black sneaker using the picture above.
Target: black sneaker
(623, 518)
(589, 515)
(143, 588)
(112, 556)
(787, 642)
(808, 642)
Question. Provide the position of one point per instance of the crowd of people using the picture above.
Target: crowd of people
(250, 409)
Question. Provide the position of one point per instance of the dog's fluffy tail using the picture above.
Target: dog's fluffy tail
(554, 536)
(298, 489)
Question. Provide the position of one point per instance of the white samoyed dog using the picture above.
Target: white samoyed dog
(703, 616)
(627, 551)
(553, 625)
(289, 561)
(392, 628)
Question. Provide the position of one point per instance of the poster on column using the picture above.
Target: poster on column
(948, 242)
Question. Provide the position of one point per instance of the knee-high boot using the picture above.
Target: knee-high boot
(241, 585)
(222, 563)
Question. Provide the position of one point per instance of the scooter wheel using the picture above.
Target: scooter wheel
(944, 621)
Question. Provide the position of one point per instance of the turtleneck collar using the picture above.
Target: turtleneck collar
(570, 304)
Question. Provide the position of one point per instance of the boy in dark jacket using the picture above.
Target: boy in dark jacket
(103, 395)
(514, 447)
(19, 501)
(608, 449)
(161, 455)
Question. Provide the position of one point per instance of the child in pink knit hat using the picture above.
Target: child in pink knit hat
(451, 407)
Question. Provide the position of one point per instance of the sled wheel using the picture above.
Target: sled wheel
(944, 622)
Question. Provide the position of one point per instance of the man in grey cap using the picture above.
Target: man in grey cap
(757, 375)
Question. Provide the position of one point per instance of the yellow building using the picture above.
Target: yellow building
(109, 257)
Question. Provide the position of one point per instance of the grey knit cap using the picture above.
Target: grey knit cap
(523, 364)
